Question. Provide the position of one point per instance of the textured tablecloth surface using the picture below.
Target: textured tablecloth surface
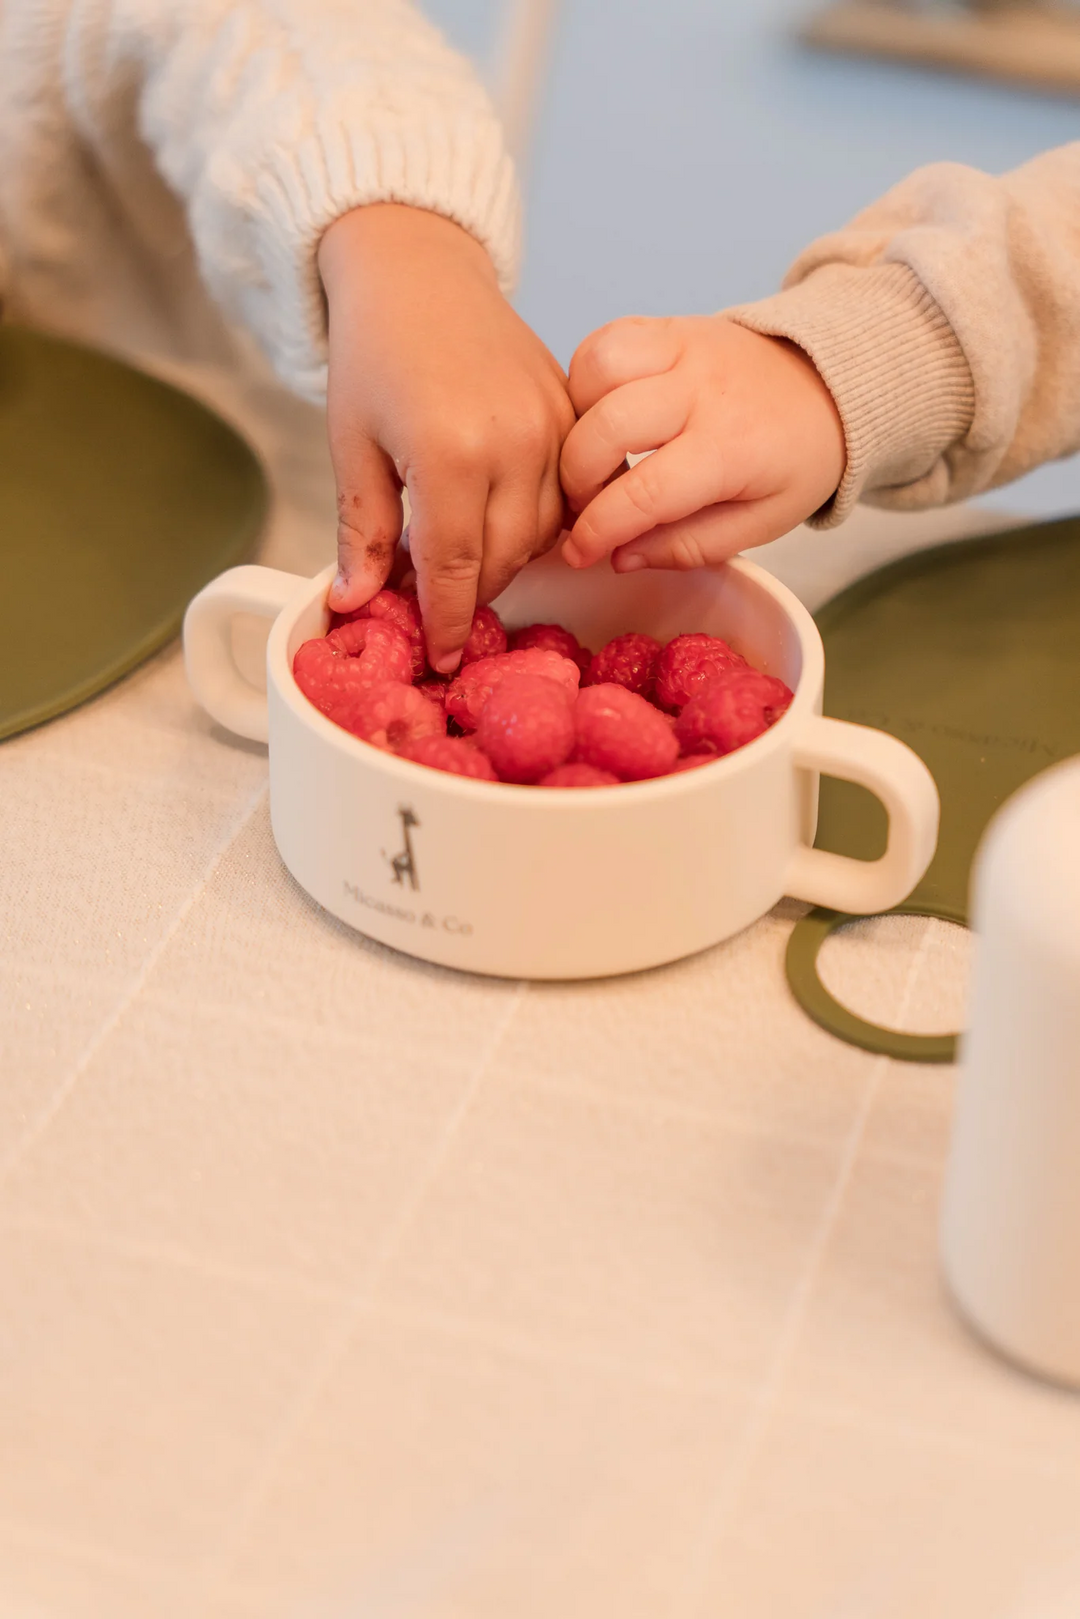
(336, 1285)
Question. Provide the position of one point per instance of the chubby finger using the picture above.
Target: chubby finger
(369, 523)
(510, 537)
(446, 538)
(621, 352)
(639, 416)
(709, 536)
(679, 479)
(553, 515)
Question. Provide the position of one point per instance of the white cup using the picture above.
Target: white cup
(529, 882)
(1011, 1216)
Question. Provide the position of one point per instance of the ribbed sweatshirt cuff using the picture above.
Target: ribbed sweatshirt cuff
(457, 169)
(892, 363)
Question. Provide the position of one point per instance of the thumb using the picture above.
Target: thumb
(369, 523)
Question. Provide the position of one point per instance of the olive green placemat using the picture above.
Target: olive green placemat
(120, 497)
(970, 654)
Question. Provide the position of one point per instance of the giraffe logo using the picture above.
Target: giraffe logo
(403, 864)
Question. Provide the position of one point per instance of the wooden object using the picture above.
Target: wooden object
(1027, 44)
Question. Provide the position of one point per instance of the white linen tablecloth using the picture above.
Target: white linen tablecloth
(336, 1285)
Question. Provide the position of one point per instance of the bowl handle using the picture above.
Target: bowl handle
(902, 782)
(208, 649)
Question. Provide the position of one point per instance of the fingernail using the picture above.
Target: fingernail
(571, 555)
(447, 664)
(630, 563)
(338, 589)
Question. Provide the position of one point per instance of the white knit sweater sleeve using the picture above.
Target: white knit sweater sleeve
(271, 118)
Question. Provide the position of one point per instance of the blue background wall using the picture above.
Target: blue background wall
(686, 150)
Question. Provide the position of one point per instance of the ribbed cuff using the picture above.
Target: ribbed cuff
(458, 170)
(892, 363)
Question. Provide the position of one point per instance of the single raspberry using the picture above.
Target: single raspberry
(551, 638)
(734, 708)
(620, 732)
(452, 754)
(579, 775)
(688, 663)
(391, 716)
(337, 692)
(628, 660)
(326, 677)
(470, 690)
(316, 669)
(692, 761)
(527, 727)
(435, 691)
(487, 638)
(381, 649)
(399, 609)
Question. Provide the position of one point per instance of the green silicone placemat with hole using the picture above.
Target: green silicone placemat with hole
(120, 497)
(970, 654)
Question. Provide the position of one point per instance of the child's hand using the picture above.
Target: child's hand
(435, 383)
(748, 443)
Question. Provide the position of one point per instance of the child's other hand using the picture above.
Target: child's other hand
(747, 437)
(435, 383)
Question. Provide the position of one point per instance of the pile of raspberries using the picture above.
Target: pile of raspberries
(535, 707)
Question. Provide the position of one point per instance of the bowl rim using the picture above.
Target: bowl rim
(557, 799)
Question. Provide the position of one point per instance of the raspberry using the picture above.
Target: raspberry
(473, 686)
(551, 638)
(691, 761)
(400, 610)
(435, 691)
(527, 727)
(734, 708)
(579, 775)
(452, 754)
(688, 663)
(316, 669)
(391, 716)
(323, 675)
(487, 638)
(334, 669)
(629, 660)
(620, 732)
(381, 649)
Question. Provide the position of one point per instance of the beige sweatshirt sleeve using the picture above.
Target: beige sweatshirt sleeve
(945, 321)
(268, 119)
